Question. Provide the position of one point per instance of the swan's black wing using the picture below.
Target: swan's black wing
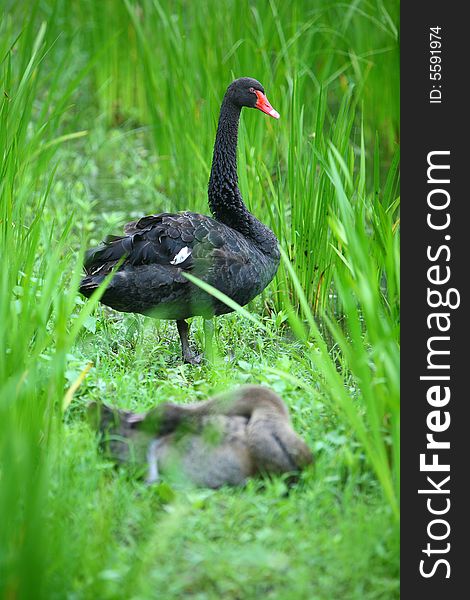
(155, 253)
(165, 239)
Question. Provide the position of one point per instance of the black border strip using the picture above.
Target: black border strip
(428, 127)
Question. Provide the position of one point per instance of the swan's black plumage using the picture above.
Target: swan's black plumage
(233, 251)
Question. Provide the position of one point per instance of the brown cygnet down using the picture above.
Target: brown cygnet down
(222, 441)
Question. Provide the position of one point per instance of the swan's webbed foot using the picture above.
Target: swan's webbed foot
(191, 358)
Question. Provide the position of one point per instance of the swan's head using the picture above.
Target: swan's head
(250, 93)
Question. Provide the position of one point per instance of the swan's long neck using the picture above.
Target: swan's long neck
(225, 201)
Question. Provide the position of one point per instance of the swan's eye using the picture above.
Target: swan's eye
(252, 90)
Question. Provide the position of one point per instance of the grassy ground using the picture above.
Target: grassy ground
(108, 113)
(330, 536)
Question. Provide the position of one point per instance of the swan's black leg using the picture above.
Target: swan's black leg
(188, 355)
(209, 339)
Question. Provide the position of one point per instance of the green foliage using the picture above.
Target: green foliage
(108, 111)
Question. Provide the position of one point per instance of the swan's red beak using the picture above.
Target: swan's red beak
(263, 104)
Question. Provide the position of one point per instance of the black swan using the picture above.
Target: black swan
(233, 252)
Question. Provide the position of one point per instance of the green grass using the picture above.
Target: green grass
(108, 112)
